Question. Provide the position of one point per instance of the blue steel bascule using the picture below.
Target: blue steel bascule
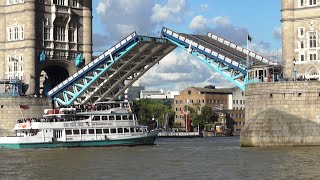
(109, 75)
(225, 57)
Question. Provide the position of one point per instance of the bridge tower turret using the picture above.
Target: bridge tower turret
(287, 36)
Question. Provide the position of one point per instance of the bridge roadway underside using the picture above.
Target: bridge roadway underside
(120, 71)
(128, 69)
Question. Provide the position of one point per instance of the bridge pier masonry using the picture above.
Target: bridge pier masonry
(282, 114)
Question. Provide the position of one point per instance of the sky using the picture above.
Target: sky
(230, 19)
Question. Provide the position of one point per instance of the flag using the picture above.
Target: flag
(24, 106)
(249, 38)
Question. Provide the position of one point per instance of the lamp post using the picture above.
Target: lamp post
(294, 70)
(187, 112)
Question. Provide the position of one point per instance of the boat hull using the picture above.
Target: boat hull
(147, 140)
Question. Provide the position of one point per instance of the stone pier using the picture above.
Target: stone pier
(282, 114)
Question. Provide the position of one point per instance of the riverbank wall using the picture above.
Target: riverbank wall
(10, 111)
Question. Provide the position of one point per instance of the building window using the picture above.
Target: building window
(72, 36)
(10, 34)
(301, 45)
(60, 33)
(59, 2)
(313, 57)
(9, 2)
(301, 3)
(74, 3)
(14, 67)
(301, 32)
(313, 40)
(46, 33)
(15, 33)
(302, 57)
(312, 2)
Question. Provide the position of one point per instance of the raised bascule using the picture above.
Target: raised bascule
(110, 74)
(282, 102)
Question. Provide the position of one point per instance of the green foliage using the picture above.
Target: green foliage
(146, 109)
(206, 117)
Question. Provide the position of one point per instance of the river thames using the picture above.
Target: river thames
(199, 158)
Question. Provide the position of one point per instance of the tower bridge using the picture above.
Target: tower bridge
(111, 73)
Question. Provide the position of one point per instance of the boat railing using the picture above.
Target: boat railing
(93, 109)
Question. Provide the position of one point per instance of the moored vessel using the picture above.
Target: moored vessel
(104, 124)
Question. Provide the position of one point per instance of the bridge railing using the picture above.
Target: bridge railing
(109, 53)
(241, 49)
(200, 47)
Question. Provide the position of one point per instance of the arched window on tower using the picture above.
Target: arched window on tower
(313, 73)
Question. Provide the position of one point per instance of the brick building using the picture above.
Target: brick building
(192, 96)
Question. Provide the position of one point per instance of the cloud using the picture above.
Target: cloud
(277, 33)
(221, 26)
(204, 7)
(99, 43)
(179, 70)
(172, 11)
(198, 23)
(121, 17)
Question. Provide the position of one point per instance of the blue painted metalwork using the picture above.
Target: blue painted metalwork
(42, 56)
(219, 62)
(69, 90)
(79, 60)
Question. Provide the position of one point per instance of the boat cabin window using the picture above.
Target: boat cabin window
(68, 132)
(130, 117)
(138, 130)
(76, 131)
(120, 130)
(99, 131)
(96, 118)
(83, 131)
(105, 131)
(91, 131)
(118, 117)
(111, 118)
(126, 130)
(125, 117)
(113, 130)
(104, 118)
(132, 130)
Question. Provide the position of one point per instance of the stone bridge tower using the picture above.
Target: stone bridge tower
(300, 38)
(42, 42)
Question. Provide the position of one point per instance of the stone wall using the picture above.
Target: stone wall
(10, 111)
(301, 98)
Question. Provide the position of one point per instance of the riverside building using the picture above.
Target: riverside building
(44, 41)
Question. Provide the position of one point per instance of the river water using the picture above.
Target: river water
(199, 158)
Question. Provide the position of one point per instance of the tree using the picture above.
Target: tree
(206, 117)
(146, 109)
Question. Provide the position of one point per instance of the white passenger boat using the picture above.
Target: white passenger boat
(105, 124)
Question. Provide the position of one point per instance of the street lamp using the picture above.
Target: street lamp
(187, 113)
(294, 70)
